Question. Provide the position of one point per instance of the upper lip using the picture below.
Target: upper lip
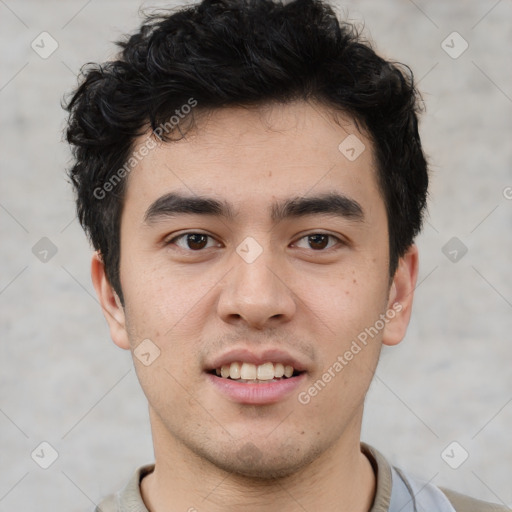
(256, 357)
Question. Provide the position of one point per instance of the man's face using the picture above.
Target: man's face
(290, 277)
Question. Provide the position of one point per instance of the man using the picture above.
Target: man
(252, 179)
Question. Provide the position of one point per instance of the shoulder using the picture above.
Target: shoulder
(128, 498)
(463, 503)
(109, 504)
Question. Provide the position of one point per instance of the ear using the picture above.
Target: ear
(110, 303)
(400, 297)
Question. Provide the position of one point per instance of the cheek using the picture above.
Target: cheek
(156, 295)
(346, 300)
(170, 308)
(345, 311)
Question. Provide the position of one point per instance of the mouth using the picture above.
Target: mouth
(263, 378)
(244, 372)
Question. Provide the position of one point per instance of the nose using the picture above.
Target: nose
(257, 294)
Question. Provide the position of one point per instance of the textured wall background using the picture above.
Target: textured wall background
(63, 382)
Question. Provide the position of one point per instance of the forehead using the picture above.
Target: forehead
(253, 156)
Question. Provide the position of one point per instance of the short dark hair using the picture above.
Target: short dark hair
(239, 53)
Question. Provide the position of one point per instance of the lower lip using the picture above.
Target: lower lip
(256, 394)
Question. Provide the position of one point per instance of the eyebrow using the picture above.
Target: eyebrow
(173, 204)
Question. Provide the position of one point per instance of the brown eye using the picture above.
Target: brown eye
(196, 241)
(191, 241)
(319, 241)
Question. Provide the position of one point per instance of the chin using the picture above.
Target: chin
(250, 462)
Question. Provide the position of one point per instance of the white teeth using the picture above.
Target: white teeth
(234, 370)
(265, 371)
(250, 372)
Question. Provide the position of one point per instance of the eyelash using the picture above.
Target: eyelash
(173, 240)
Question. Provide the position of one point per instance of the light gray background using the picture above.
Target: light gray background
(62, 379)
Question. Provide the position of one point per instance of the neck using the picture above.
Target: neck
(338, 480)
